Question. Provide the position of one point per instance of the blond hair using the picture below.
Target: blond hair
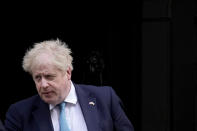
(62, 58)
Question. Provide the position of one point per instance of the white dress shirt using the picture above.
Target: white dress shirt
(73, 111)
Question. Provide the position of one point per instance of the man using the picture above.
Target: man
(88, 108)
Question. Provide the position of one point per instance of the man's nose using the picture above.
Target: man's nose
(44, 83)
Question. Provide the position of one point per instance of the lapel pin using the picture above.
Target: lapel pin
(91, 103)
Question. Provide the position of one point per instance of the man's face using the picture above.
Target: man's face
(52, 85)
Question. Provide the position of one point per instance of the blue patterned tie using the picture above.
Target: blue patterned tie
(63, 123)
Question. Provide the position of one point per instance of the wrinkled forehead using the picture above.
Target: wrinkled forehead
(44, 69)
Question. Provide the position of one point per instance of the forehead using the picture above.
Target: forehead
(44, 69)
(43, 63)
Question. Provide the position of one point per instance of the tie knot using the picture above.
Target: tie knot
(62, 105)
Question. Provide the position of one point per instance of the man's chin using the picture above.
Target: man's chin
(48, 100)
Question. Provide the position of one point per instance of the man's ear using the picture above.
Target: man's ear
(68, 73)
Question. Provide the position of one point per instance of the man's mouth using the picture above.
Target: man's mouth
(47, 93)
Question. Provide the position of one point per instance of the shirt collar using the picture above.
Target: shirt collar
(71, 98)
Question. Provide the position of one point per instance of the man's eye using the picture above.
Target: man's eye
(37, 78)
(49, 77)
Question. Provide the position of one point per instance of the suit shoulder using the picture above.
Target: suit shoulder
(24, 104)
(27, 101)
(94, 87)
(97, 91)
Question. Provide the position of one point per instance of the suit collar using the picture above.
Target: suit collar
(89, 108)
(42, 117)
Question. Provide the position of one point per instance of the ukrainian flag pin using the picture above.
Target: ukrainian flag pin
(91, 103)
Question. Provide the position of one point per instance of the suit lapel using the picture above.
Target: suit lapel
(89, 108)
(42, 117)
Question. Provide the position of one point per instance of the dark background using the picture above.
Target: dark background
(147, 49)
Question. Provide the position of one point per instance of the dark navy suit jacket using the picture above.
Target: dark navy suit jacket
(1, 126)
(106, 114)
